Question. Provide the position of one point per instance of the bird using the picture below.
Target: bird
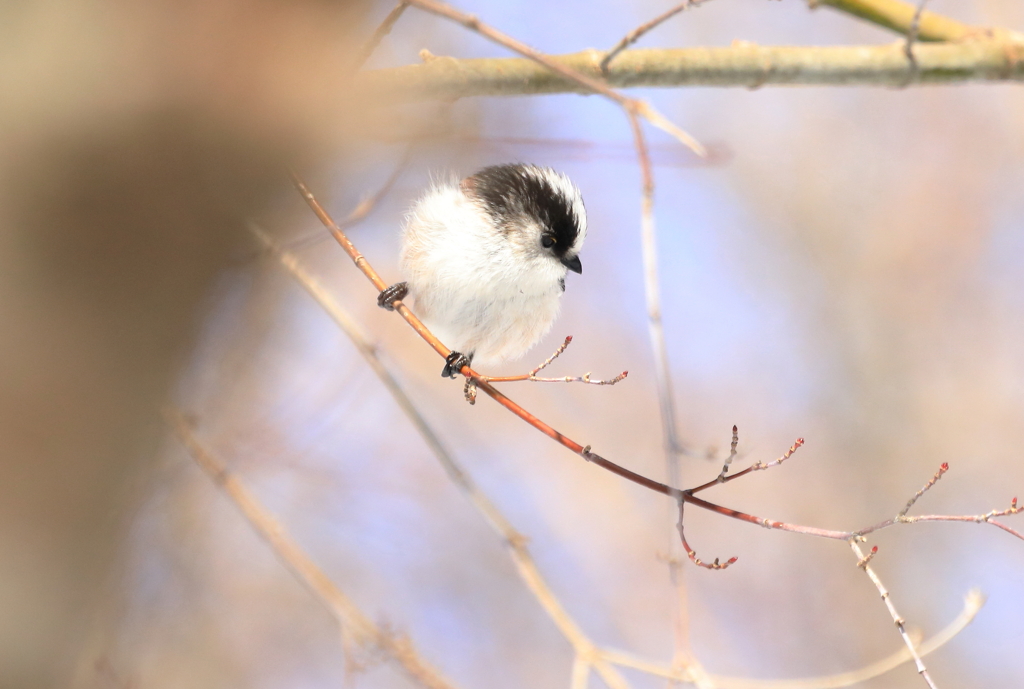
(485, 260)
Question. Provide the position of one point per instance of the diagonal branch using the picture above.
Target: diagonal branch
(378, 35)
(355, 625)
(635, 35)
(864, 563)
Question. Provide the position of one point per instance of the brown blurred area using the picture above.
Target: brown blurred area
(135, 139)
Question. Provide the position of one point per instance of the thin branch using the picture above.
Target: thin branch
(931, 482)
(378, 35)
(672, 446)
(758, 466)
(690, 552)
(634, 35)
(732, 455)
(652, 296)
(362, 209)
(864, 562)
(744, 65)
(513, 540)
(532, 375)
(987, 518)
(352, 620)
(594, 84)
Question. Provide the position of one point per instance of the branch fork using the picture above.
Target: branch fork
(471, 381)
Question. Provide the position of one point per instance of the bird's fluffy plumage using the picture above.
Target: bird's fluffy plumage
(485, 259)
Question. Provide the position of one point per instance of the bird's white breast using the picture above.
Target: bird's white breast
(473, 286)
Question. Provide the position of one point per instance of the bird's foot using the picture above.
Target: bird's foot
(392, 294)
(454, 363)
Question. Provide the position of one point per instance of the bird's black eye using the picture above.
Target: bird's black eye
(547, 241)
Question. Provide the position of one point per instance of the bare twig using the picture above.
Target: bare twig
(353, 622)
(593, 84)
(469, 390)
(634, 35)
(378, 35)
(864, 562)
(758, 466)
(652, 295)
(532, 375)
(732, 455)
(362, 209)
(690, 552)
(931, 482)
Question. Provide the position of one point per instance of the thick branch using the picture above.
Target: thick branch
(447, 78)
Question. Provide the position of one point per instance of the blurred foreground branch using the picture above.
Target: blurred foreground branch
(355, 625)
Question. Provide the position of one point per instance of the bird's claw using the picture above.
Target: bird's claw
(394, 293)
(453, 364)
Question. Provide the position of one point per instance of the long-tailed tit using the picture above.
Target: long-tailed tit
(485, 260)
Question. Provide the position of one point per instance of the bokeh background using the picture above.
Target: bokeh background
(846, 268)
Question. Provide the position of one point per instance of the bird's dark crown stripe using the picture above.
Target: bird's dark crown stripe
(510, 190)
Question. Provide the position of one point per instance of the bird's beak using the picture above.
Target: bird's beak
(573, 264)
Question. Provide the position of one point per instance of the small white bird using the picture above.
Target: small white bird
(485, 260)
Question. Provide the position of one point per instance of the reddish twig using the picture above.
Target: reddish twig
(634, 35)
(690, 553)
(934, 479)
(362, 209)
(585, 452)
